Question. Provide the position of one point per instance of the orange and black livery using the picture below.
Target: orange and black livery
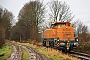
(60, 35)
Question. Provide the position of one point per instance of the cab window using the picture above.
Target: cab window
(59, 25)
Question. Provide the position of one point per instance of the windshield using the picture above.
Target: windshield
(59, 25)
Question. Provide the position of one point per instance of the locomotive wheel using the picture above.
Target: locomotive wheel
(44, 43)
(51, 44)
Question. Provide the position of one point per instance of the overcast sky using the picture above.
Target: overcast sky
(80, 8)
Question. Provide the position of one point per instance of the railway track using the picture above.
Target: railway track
(17, 53)
(34, 54)
(81, 56)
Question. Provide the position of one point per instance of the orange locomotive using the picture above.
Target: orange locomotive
(60, 35)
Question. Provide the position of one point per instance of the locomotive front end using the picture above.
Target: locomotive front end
(66, 39)
(60, 35)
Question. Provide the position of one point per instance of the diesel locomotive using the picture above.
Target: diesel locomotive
(61, 35)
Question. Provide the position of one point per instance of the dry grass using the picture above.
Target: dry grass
(57, 53)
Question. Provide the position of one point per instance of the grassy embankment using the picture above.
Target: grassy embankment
(54, 54)
(5, 52)
(25, 54)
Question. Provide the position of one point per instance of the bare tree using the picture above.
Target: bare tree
(60, 11)
(5, 24)
(30, 18)
(81, 30)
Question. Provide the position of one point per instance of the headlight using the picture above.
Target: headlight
(62, 44)
(75, 43)
(57, 40)
(76, 39)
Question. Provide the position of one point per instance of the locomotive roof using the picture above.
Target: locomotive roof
(60, 23)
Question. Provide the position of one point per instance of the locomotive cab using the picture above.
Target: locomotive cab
(61, 36)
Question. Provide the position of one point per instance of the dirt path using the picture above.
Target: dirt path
(17, 53)
(34, 54)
